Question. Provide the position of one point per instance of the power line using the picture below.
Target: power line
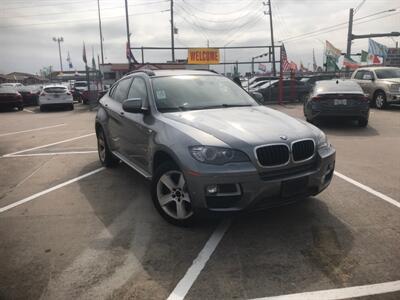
(340, 28)
(83, 20)
(222, 13)
(332, 26)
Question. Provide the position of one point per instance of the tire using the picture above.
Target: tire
(106, 157)
(362, 122)
(380, 100)
(71, 107)
(170, 195)
(42, 108)
(21, 107)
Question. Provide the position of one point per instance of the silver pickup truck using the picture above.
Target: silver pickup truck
(380, 84)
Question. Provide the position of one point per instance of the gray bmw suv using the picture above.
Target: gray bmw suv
(207, 145)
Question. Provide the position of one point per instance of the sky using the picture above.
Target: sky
(27, 29)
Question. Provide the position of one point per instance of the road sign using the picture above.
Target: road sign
(203, 56)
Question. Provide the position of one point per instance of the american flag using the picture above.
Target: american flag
(284, 61)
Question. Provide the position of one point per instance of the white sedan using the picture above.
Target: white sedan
(56, 95)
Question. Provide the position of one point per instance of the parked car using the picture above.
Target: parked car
(337, 98)
(10, 98)
(55, 95)
(11, 84)
(255, 79)
(293, 90)
(207, 146)
(30, 95)
(380, 84)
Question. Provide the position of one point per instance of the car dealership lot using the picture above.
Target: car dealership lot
(100, 237)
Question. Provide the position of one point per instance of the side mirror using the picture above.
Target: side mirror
(133, 105)
(258, 96)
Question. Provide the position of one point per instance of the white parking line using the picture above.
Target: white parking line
(29, 130)
(28, 110)
(342, 293)
(198, 264)
(369, 190)
(34, 196)
(51, 153)
(48, 145)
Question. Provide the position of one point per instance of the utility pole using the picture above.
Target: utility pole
(101, 34)
(128, 35)
(350, 32)
(172, 31)
(59, 40)
(272, 34)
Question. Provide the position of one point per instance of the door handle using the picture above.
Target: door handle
(121, 113)
(106, 105)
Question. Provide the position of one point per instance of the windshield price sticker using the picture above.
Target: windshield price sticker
(161, 95)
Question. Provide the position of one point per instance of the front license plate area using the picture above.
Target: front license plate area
(294, 187)
(340, 101)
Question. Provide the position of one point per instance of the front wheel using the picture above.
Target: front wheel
(380, 100)
(170, 195)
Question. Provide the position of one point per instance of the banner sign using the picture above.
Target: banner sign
(203, 56)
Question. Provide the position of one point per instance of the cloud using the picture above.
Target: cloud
(28, 46)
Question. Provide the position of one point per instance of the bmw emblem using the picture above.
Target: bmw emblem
(283, 137)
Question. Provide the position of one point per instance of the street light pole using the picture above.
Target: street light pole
(59, 40)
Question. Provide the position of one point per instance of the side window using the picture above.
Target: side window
(359, 75)
(120, 93)
(138, 89)
(370, 74)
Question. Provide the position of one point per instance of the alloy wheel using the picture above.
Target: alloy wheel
(101, 146)
(173, 196)
(379, 101)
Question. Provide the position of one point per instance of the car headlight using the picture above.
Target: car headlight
(322, 140)
(217, 155)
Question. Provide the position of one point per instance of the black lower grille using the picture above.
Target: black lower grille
(273, 155)
(303, 150)
(292, 171)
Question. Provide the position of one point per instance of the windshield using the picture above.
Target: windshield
(190, 92)
(80, 84)
(55, 90)
(387, 73)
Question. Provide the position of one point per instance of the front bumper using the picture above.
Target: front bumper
(359, 111)
(393, 98)
(259, 190)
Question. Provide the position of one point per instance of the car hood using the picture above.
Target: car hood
(392, 80)
(254, 125)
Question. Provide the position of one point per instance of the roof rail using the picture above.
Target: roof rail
(209, 70)
(147, 71)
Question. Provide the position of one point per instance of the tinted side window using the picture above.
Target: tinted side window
(121, 91)
(138, 89)
(359, 75)
(370, 74)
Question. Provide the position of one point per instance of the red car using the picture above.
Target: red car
(10, 98)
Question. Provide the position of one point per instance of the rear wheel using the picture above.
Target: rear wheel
(106, 157)
(170, 195)
(380, 100)
(362, 122)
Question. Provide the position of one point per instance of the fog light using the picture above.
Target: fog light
(212, 189)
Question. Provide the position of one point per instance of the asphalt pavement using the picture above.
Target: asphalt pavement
(70, 229)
